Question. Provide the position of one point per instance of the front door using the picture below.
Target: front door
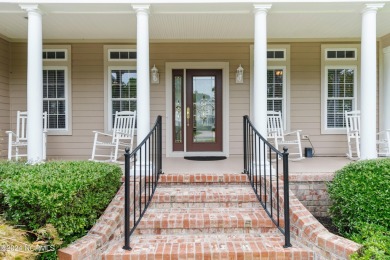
(197, 124)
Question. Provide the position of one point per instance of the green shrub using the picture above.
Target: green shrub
(360, 193)
(360, 196)
(375, 240)
(69, 195)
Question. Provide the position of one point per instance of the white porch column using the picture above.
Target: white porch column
(368, 82)
(385, 116)
(259, 98)
(143, 84)
(34, 84)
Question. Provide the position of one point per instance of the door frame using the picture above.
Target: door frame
(169, 66)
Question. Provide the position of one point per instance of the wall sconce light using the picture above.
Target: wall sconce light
(240, 75)
(155, 75)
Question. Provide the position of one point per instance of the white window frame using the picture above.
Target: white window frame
(111, 68)
(284, 112)
(62, 64)
(277, 59)
(337, 63)
(110, 64)
(120, 50)
(341, 49)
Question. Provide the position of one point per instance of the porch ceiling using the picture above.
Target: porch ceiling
(116, 21)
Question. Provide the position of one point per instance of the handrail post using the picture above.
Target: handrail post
(245, 146)
(127, 200)
(160, 143)
(286, 199)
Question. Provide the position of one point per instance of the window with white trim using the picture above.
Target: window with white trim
(275, 89)
(340, 94)
(123, 86)
(120, 81)
(339, 86)
(56, 89)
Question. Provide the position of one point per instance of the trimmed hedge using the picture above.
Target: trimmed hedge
(360, 193)
(69, 195)
(360, 196)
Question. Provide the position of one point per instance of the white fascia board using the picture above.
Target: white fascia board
(183, 1)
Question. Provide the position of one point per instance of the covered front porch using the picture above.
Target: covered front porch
(292, 62)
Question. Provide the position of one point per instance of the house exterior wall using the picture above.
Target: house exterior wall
(385, 40)
(87, 72)
(4, 95)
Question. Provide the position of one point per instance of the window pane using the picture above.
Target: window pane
(123, 55)
(350, 54)
(51, 55)
(114, 55)
(270, 54)
(125, 106)
(52, 121)
(61, 121)
(60, 54)
(331, 54)
(61, 107)
(279, 54)
(116, 106)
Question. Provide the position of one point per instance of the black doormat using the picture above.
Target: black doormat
(205, 158)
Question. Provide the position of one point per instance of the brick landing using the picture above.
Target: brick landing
(206, 216)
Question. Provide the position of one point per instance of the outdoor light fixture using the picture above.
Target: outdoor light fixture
(155, 75)
(240, 75)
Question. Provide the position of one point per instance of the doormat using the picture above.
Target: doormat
(205, 158)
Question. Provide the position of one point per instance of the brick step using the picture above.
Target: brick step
(204, 194)
(207, 246)
(205, 219)
(203, 178)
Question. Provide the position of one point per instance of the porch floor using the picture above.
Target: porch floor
(234, 164)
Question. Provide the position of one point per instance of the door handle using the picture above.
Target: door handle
(188, 116)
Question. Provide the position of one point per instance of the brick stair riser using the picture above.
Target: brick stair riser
(210, 230)
(194, 205)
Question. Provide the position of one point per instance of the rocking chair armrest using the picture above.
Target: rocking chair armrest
(101, 133)
(293, 132)
(10, 133)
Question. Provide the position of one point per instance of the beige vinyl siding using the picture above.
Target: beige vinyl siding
(385, 40)
(4, 95)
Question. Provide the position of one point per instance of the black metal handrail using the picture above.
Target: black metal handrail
(261, 164)
(144, 164)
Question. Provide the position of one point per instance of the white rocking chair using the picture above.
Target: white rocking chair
(383, 143)
(276, 135)
(352, 119)
(109, 145)
(18, 139)
(352, 124)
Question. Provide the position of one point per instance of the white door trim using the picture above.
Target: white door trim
(169, 66)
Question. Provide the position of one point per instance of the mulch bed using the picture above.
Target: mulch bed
(327, 223)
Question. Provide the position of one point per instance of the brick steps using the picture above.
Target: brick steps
(219, 246)
(205, 216)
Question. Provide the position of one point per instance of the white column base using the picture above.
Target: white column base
(258, 169)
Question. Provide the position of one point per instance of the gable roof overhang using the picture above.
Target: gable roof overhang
(196, 20)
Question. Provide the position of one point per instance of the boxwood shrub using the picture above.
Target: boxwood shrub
(360, 196)
(69, 195)
(360, 193)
